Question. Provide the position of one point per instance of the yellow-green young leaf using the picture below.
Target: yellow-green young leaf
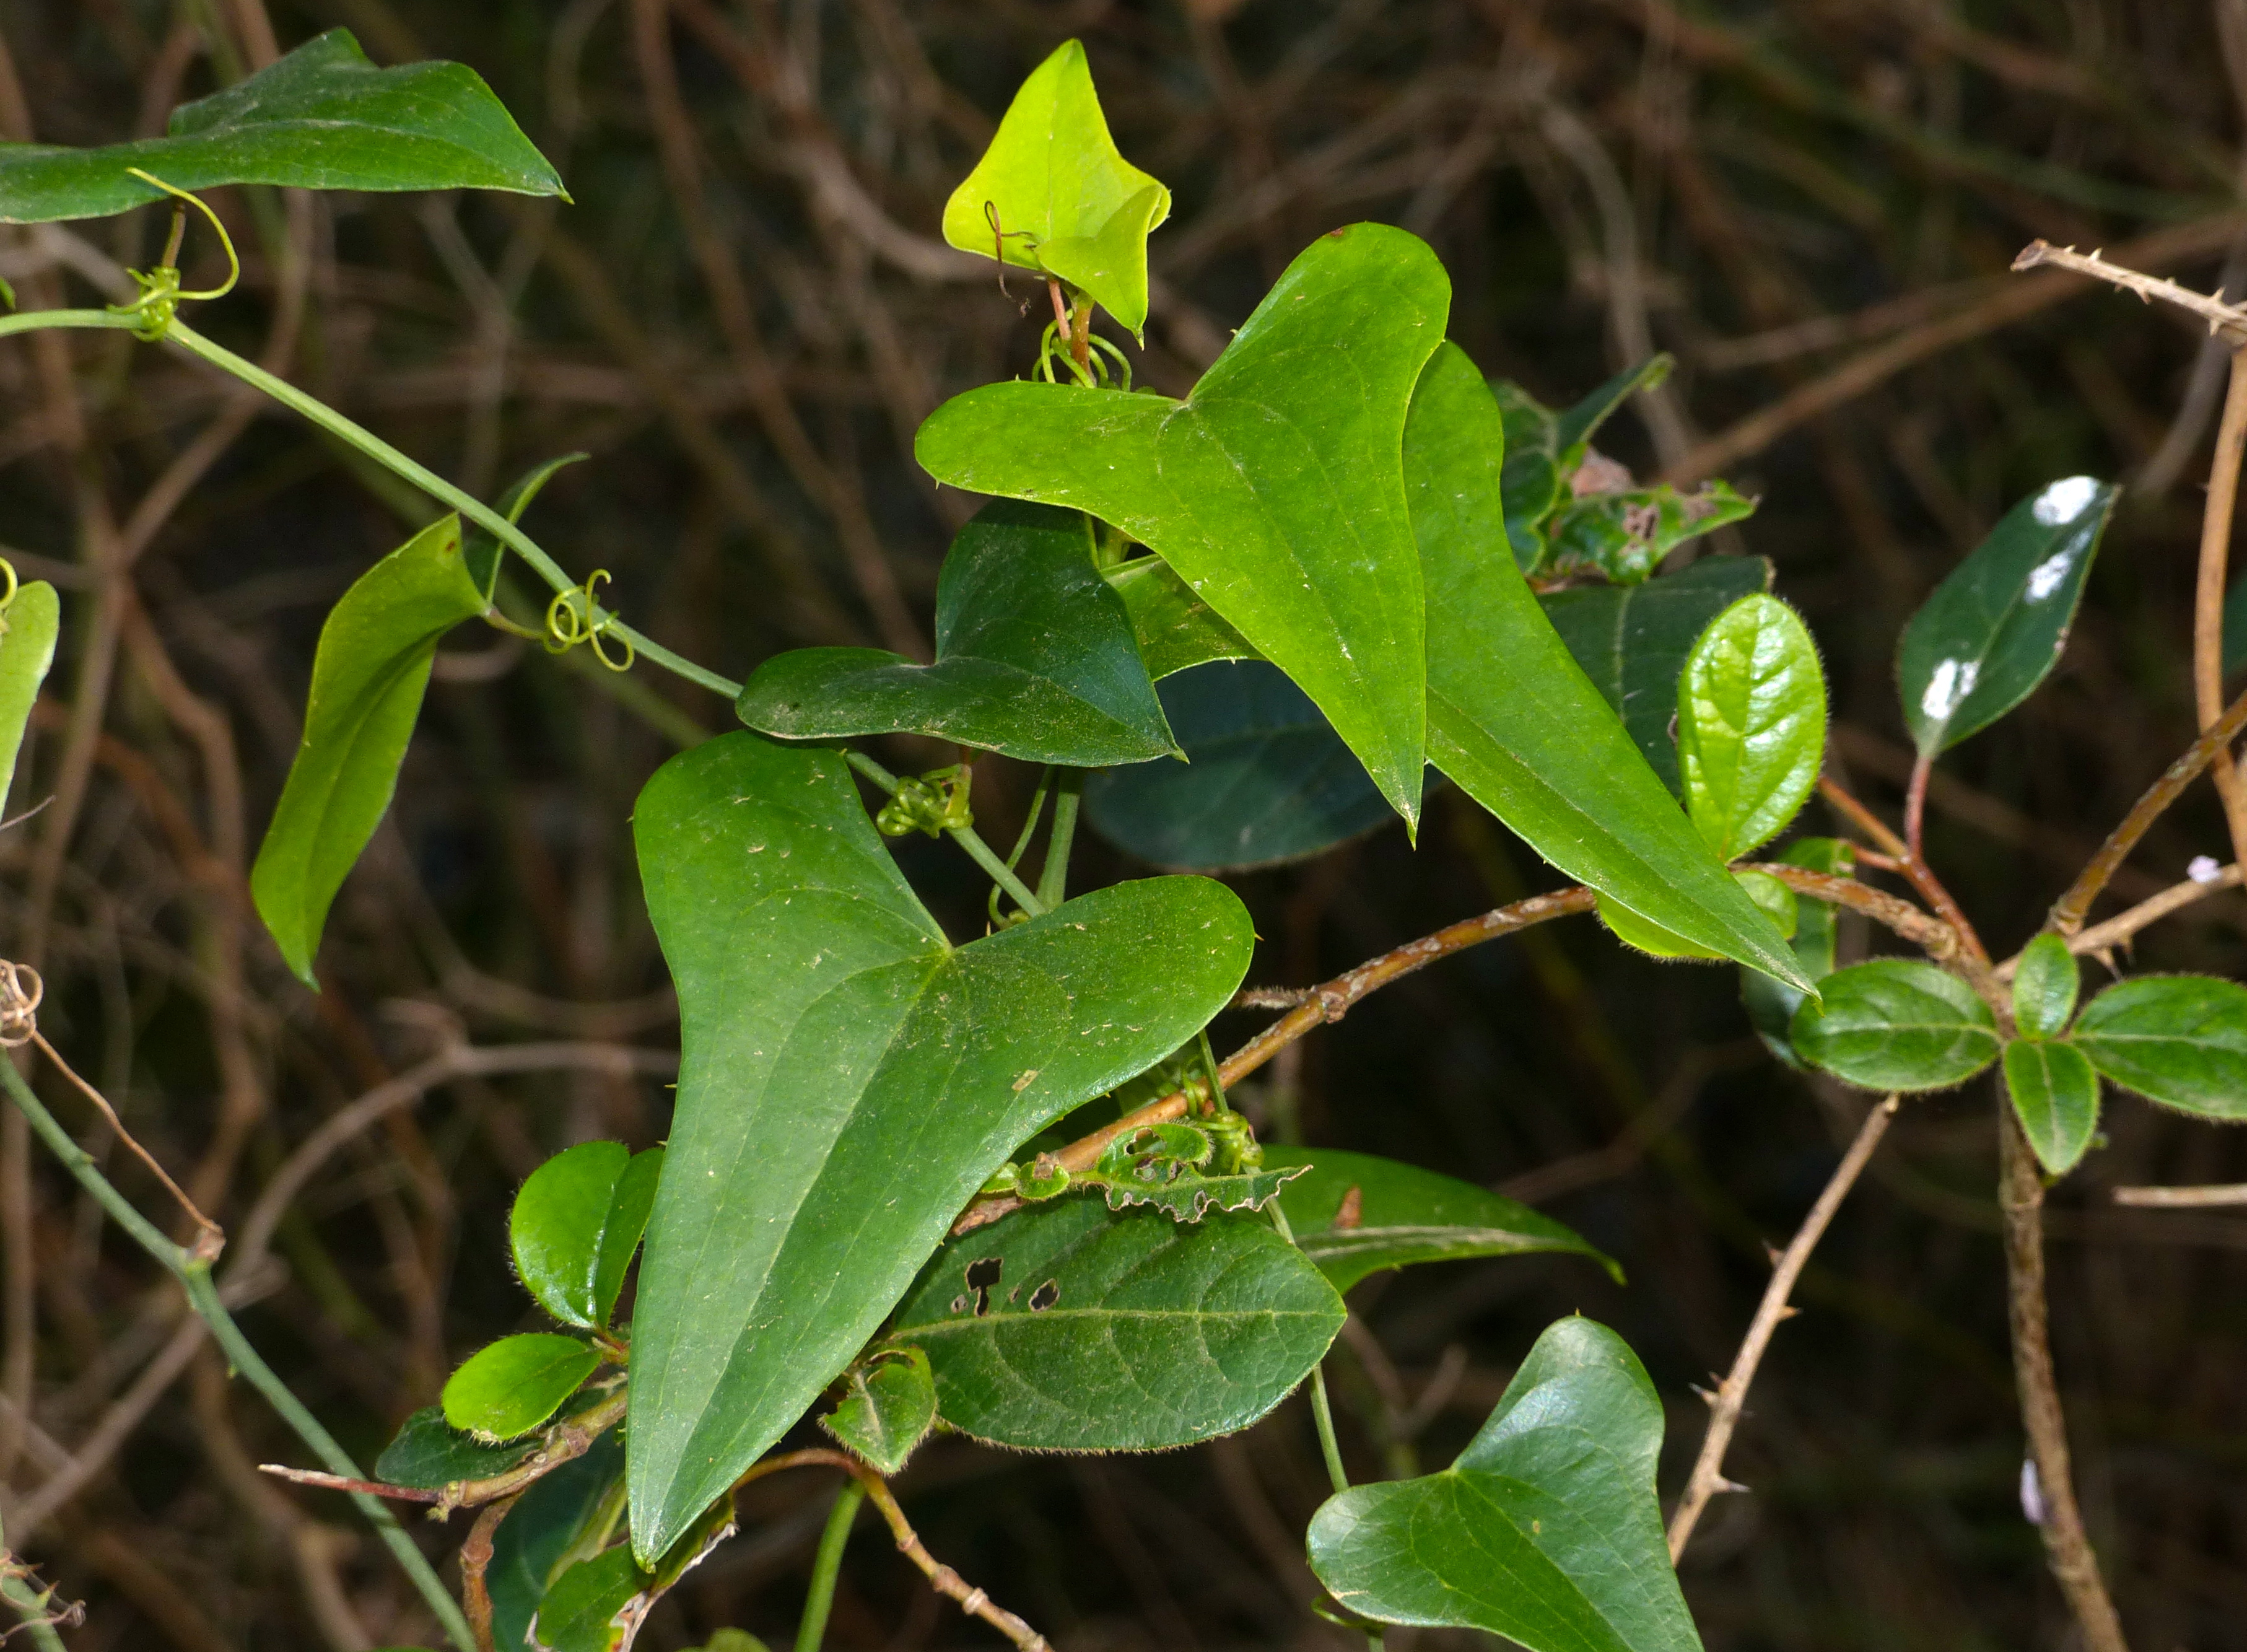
(511, 1387)
(1775, 898)
(575, 1224)
(1174, 628)
(1546, 1530)
(888, 1407)
(1355, 1214)
(1995, 627)
(1751, 724)
(28, 628)
(2044, 984)
(1896, 1024)
(2055, 1095)
(2178, 1039)
(367, 681)
(1510, 716)
(1275, 489)
(1053, 179)
(848, 1079)
(1770, 1004)
(321, 118)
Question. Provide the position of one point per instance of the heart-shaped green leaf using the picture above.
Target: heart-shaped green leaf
(575, 1224)
(563, 1511)
(1053, 194)
(29, 626)
(321, 118)
(511, 1387)
(1513, 720)
(428, 1452)
(1274, 490)
(368, 677)
(1751, 724)
(1896, 1024)
(888, 1407)
(848, 1079)
(2178, 1039)
(1268, 781)
(1035, 658)
(1356, 1214)
(1770, 1004)
(1632, 641)
(1995, 626)
(1070, 1327)
(2045, 983)
(2055, 1095)
(1545, 1531)
(1175, 628)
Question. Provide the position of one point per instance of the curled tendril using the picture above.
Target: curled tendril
(934, 803)
(160, 292)
(7, 568)
(19, 1004)
(575, 617)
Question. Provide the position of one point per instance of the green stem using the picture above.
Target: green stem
(32, 320)
(965, 836)
(1053, 879)
(28, 1607)
(193, 1274)
(813, 1629)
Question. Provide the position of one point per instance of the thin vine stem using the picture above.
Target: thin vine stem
(966, 837)
(811, 1629)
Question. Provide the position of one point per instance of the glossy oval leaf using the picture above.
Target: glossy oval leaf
(1632, 642)
(575, 1224)
(428, 1452)
(1052, 192)
(1273, 489)
(562, 1513)
(888, 1407)
(321, 118)
(1355, 1214)
(1775, 898)
(2178, 1039)
(848, 1079)
(1896, 1024)
(1267, 779)
(368, 677)
(1546, 1530)
(28, 628)
(2055, 1095)
(1515, 722)
(1175, 628)
(1751, 724)
(1071, 1328)
(511, 1387)
(1034, 658)
(1770, 1004)
(1995, 626)
(2045, 983)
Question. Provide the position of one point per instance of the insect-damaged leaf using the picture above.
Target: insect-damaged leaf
(1545, 1531)
(1982, 643)
(367, 681)
(575, 1224)
(1034, 658)
(848, 1080)
(1513, 720)
(321, 118)
(1070, 1327)
(888, 1406)
(1274, 490)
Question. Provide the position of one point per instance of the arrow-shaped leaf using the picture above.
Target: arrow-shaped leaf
(848, 1079)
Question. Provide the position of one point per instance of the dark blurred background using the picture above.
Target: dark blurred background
(742, 317)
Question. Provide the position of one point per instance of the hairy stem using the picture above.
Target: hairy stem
(2208, 596)
(811, 1629)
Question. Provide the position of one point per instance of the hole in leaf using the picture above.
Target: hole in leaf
(981, 1276)
(1045, 1296)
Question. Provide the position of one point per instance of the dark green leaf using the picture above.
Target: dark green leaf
(1896, 1024)
(1064, 199)
(2235, 626)
(566, 1514)
(1035, 658)
(1982, 643)
(426, 1452)
(2055, 1096)
(2044, 986)
(1513, 720)
(1273, 489)
(1175, 628)
(28, 628)
(1266, 780)
(1623, 537)
(1632, 641)
(511, 1387)
(321, 118)
(367, 681)
(1581, 422)
(848, 1080)
(1068, 1327)
(1545, 1531)
(594, 1606)
(1770, 1004)
(1355, 1214)
(1530, 484)
(888, 1407)
(2178, 1039)
(1751, 724)
(575, 1224)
